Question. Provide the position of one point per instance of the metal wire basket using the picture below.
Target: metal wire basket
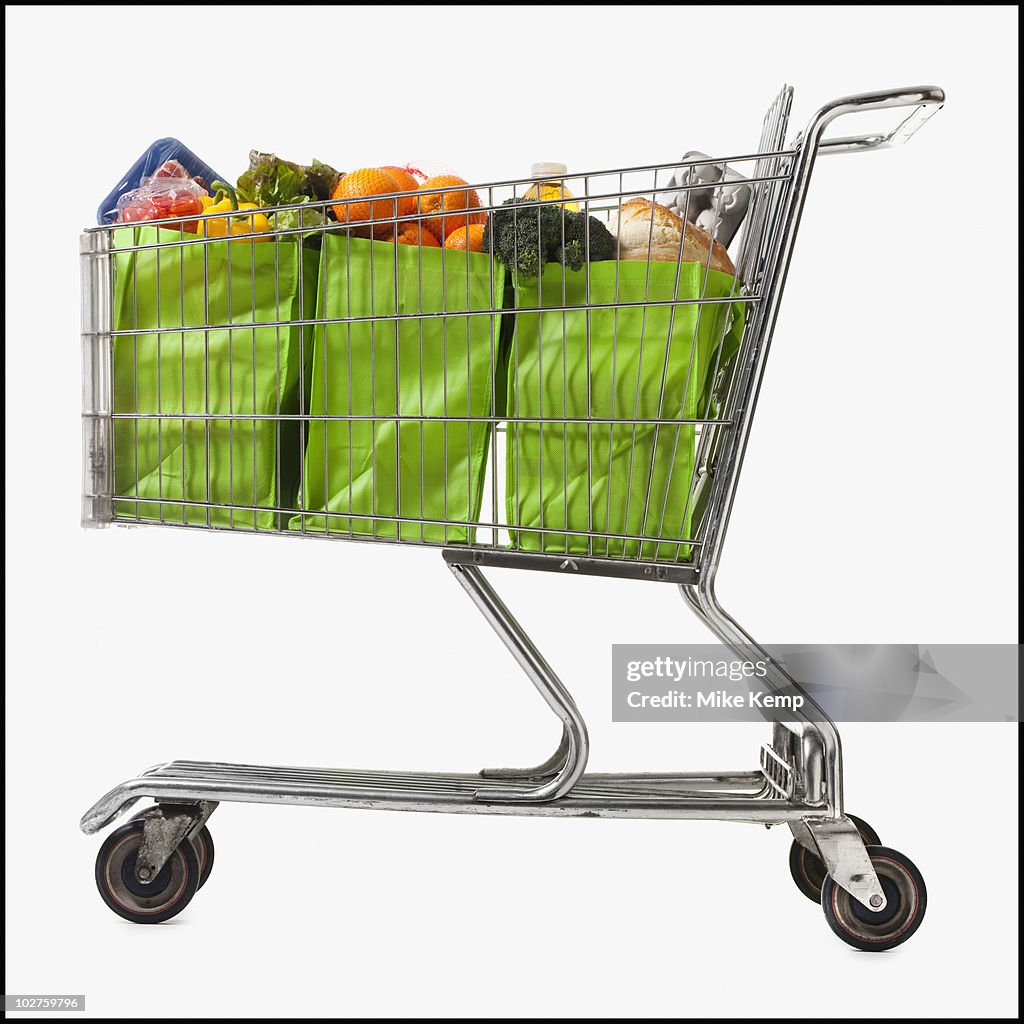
(312, 381)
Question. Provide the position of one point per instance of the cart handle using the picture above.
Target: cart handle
(925, 99)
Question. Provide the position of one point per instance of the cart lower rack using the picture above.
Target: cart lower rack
(575, 402)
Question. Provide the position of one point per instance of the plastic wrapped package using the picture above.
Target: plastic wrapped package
(150, 164)
(159, 197)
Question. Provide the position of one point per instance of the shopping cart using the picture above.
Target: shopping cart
(589, 418)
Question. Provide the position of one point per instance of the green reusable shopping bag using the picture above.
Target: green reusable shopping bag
(209, 377)
(640, 476)
(407, 446)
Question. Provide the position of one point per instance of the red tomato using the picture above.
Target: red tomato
(171, 196)
(131, 214)
(184, 205)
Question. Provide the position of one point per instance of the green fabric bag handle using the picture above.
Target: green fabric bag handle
(653, 362)
(418, 383)
(241, 370)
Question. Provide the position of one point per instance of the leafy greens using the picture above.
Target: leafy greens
(271, 181)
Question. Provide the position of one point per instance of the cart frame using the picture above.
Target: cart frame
(799, 781)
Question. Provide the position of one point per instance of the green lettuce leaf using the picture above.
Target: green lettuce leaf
(311, 217)
(271, 181)
(320, 179)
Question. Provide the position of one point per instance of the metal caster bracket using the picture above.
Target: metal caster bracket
(838, 842)
(166, 827)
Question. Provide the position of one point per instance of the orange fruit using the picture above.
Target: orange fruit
(410, 233)
(446, 202)
(405, 176)
(469, 238)
(368, 182)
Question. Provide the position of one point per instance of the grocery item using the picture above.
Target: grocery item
(221, 360)
(411, 233)
(448, 203)
(719, 206)
(160, 153)
(647, 230)
(643, 359)
(226, 202)
(399, 458)
(470, 239)
(525, 235)
(159, 198)
(408, 178)
(364, 184)
(550, 185)
(174, 169)
(272, 181)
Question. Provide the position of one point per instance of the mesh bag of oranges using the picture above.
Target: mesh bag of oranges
(403, 374)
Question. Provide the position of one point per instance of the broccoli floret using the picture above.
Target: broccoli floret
(582, 232)
(527, 238)
(525, 255)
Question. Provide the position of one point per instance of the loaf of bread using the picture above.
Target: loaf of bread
(647, 230)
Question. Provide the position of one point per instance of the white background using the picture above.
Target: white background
(878, 505)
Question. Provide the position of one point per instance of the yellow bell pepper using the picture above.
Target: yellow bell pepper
(220, 227)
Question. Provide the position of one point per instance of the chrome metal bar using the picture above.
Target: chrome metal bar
(410, 417)
(573, 565)
(817, 738)
(400, 317)
(747, 401)
(703, 598)
(728, 796)
(926, 100)
(545, 770)
(97, 378)
(557, 697)
(368, 516)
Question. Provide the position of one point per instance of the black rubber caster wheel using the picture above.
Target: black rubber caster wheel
(808, 869)
(203, 845)
(877, 930)
(167, 895)
(202, 842)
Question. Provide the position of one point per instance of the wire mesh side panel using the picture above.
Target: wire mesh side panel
(341, 373)
(620, 375)
(207, 350)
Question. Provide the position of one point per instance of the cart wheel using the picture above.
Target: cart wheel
(168, 894)
(203, 845)
(876, 930)
(808, 869)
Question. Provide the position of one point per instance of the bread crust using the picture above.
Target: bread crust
(649, 230)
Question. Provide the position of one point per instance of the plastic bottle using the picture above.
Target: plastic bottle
(550, 184)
